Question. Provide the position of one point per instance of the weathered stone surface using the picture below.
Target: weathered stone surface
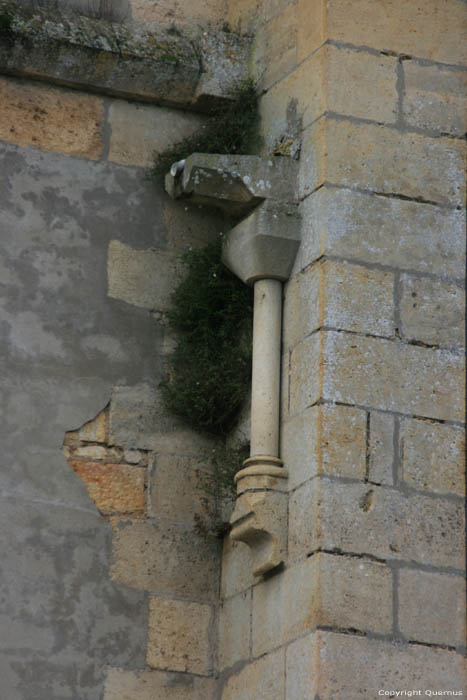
(94, 430)
(383, 230)
(63, 619)
(331, 80)
(234, 630)
(263, 679)
(360, 85)
(432, 311)
(275, 47)
(367, 519)
(311, 27)
(176, 488)
(338, 295)
(433, 456)
(381, 448)
(166, 559)
(245, 15)
(134, 457)
(164, 12)
(139, 419)
(145, 278)
(237, 574)
(305, 381)
(114, 488)
(324, 439)
(427, 30)
(93, 452)
(332, 665)
(382, 159)
(139, 131)
(149, 685)
(52, 119)
(432, 607)
(379, 373)
(324, 589)
(178, 636)
(435, 98)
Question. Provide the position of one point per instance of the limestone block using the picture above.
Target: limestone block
(324, 589)
(275, 47)
(305, 374)
(94, 430)
(381, 448)
(383, 374)
(373, 229)
(139, 419)
(175, 488)
(234, 630)
(296, 100)
(338, 295)
(178, 636)
(325, 439)
(237, 573)
(359, 84)
(433, 456)
(332, 665)
(435, 98)
(121, 684)
(52, 119)
(312, 31)
(382, 159)
(433, 311)
(432, 607)
(431, 29)
(145, 278)
(382, 522)
(114, 488)
(139, 131)
(263, 679)
(165, 558)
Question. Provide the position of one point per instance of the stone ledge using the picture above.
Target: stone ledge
(97, 56)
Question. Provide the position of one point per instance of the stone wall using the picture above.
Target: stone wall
(372, 596)
(111, 592)
(90, 255)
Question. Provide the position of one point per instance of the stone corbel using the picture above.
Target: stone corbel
(260, 250)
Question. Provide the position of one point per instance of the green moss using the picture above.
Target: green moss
(232, 127)
(209, 374)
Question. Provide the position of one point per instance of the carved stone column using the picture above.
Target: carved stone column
(260, 250)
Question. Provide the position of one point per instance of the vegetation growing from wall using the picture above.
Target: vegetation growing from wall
(233, 127)
(209, 375)
(218, 488)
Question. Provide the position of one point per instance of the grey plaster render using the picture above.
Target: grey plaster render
(65, 344)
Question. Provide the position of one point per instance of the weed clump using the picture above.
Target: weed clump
(232, 128)
(209, 374)
(6, 22)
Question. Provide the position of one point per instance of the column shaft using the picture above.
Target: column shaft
(265, 390)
